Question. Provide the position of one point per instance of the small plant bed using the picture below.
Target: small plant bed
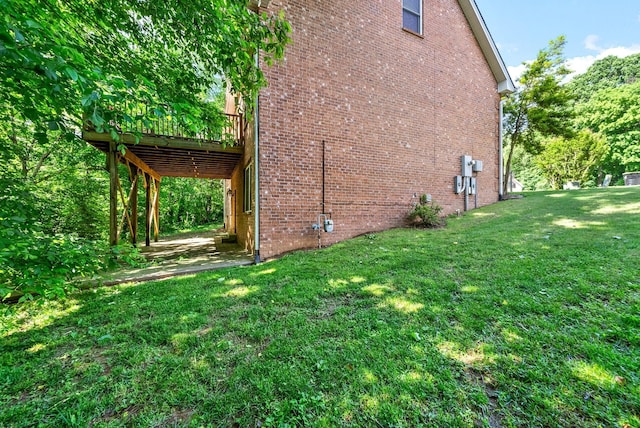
(523, 313)
(426, 214)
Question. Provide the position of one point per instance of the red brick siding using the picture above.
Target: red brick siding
(243, 223)
(396, 112)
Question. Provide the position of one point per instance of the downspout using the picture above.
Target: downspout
(500, 160)
(256, 162)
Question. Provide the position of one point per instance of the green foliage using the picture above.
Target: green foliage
(51, 210)
(615, 113)
(518, 314)
(572, 159)
(47, 240)
(65, 63)
(123, 254)
(63, 60)
(35, 263)
(526, 171)
(189, 203)
(426, 214)
(606, 104)
(607, 73)
(540, 107)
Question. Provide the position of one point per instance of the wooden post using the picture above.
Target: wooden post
(126, 204)
(112, 161)
(133, 200)
(153, 215)
(147, 211)
(157, 211)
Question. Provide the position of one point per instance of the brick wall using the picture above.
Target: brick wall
(241, 222)
(394, 112)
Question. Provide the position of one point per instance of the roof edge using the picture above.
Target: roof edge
(488, 46)
(254, 5)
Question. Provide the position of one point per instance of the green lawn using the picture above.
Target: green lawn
(525, 313)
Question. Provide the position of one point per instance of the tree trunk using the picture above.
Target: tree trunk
(513, 140)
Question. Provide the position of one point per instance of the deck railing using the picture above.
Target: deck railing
(167, 125)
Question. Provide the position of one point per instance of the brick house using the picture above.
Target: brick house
(373, 106)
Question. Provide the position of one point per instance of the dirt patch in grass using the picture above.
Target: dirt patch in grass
(492, 410)
(177, 418)
(117, 415)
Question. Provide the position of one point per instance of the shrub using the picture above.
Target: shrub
(426, 214)
(35, 262)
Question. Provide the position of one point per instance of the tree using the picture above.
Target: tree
(607, 73)
(527, 171)
(66, 61)
(615, 113)
(571, 159)
(62, 58)
(540, 107)
(191, 202)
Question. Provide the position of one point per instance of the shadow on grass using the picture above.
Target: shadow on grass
(490, 323)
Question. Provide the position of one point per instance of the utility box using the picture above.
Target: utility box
(328, 225)
(477, 166)
(458, 184)
(465, 162)
(472, 186)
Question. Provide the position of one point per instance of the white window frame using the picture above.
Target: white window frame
(414, 13)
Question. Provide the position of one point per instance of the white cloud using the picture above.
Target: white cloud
(507, 47)
(579, 65)
(591, 41)
(516, 71)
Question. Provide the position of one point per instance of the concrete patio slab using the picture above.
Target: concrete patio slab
(183, 254)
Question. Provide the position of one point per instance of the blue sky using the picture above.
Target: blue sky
(593, 28)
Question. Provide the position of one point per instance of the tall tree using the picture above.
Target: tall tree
(571, 159)
(61, 58)
(540, 107)
(615, 113)
(607, 73)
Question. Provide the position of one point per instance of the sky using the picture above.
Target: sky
(593, 29)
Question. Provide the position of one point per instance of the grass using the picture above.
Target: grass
(524, 313)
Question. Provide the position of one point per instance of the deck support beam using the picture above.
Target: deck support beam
(112, 164)
(152, 208)
(133, 202)
(156, 211)
(158, 155)
(147, 210)
(129, 202)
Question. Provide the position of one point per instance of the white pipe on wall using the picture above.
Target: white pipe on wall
(500, 160)
(256, 156)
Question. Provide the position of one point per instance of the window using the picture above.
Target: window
(247, 188)
(412, 15)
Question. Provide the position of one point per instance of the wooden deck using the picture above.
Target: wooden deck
(175, 157)
(168, 151)
(156, 149)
